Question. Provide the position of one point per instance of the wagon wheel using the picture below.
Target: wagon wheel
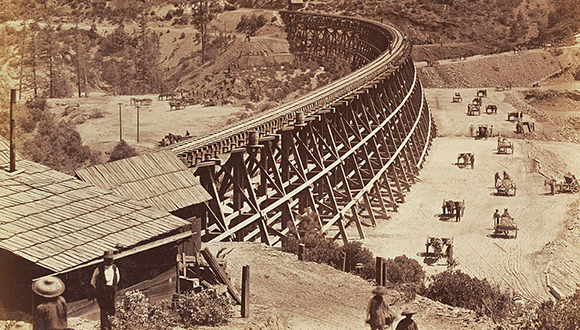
(575, 188)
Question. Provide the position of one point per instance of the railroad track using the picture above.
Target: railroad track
(223, 140)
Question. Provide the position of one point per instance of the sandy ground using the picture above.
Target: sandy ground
(515, 264)
(155, 121)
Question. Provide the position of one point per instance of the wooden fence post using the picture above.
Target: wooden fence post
(344, 261)
(301, 250)
(385, 280)
(379, 271)
(246, 291)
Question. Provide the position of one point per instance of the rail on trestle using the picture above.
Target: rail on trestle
(348, 150)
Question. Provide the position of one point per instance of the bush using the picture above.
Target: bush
(134, 312)
(204, 308)
(404, 270)
(122, 150)
(459, 289)
(563, 314)
(325, 251)
(405, 275)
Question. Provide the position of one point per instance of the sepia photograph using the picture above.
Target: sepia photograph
(289, 164)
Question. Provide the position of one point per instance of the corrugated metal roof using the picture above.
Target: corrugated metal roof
(5, 153)
(59, 222)
(158, 179)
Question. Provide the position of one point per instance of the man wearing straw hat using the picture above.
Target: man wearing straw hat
(105, 280)
(407, 323)
(51, 313)
(378, 313)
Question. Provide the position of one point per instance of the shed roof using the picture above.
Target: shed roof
(158, 179)
(5, 153)
(294, 2)
(58, 222)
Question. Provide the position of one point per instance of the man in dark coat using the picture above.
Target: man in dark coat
(407, 323)
(378, 313)
(51, 313)
(105, 280)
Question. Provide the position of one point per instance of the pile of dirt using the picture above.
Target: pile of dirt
(521, 69)
(556, 110)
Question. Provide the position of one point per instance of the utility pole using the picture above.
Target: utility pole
(12, 154)
(120, 124)
(138, 106)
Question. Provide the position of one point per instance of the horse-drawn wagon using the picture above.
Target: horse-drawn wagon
(457, 98)
(442, 248)
(505, 186)
(465, 159)
(452, 209)
(491, 109)
(482, 93)
(473, 110)
(503, 146)
(569, 185)
(506, 226)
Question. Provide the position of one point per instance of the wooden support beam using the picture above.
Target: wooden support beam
(221, 274)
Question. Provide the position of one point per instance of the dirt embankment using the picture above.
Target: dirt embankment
(522, 69)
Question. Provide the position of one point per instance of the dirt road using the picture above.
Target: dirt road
(515, 264)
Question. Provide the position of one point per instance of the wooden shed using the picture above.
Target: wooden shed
(51, 223)
(295, 4)
(157, 179)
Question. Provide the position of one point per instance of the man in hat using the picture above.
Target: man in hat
(105, 280)
(378, 313)
(407, 323)
(51, 313)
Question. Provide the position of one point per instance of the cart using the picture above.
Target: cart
(482, 93)
(507, 227)
(457, 98)
(505, 187)
(473, 110)
(442, 248)
(465, 159)
(491, 109)
(503, 146)
(452, 208)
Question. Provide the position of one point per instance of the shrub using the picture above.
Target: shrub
(405, 275)
(356, 253)
(459, 289)
(122, 150)
(204, 308)
(563, 314)
(404, 270)
(135, 313)
(325, 251)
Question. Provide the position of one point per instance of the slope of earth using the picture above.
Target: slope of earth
(286, 293)
(307, 295)
(520, 69)
(545, 222)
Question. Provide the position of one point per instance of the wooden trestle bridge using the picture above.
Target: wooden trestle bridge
(352, 148)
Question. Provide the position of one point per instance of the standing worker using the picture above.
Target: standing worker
(105, 280)
(496, 217)
(378, 313)
(457, 211)
(51, 313)
(407, 323)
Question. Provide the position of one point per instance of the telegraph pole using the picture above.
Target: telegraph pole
(138, 106)
(120, 124)
(12, 154)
